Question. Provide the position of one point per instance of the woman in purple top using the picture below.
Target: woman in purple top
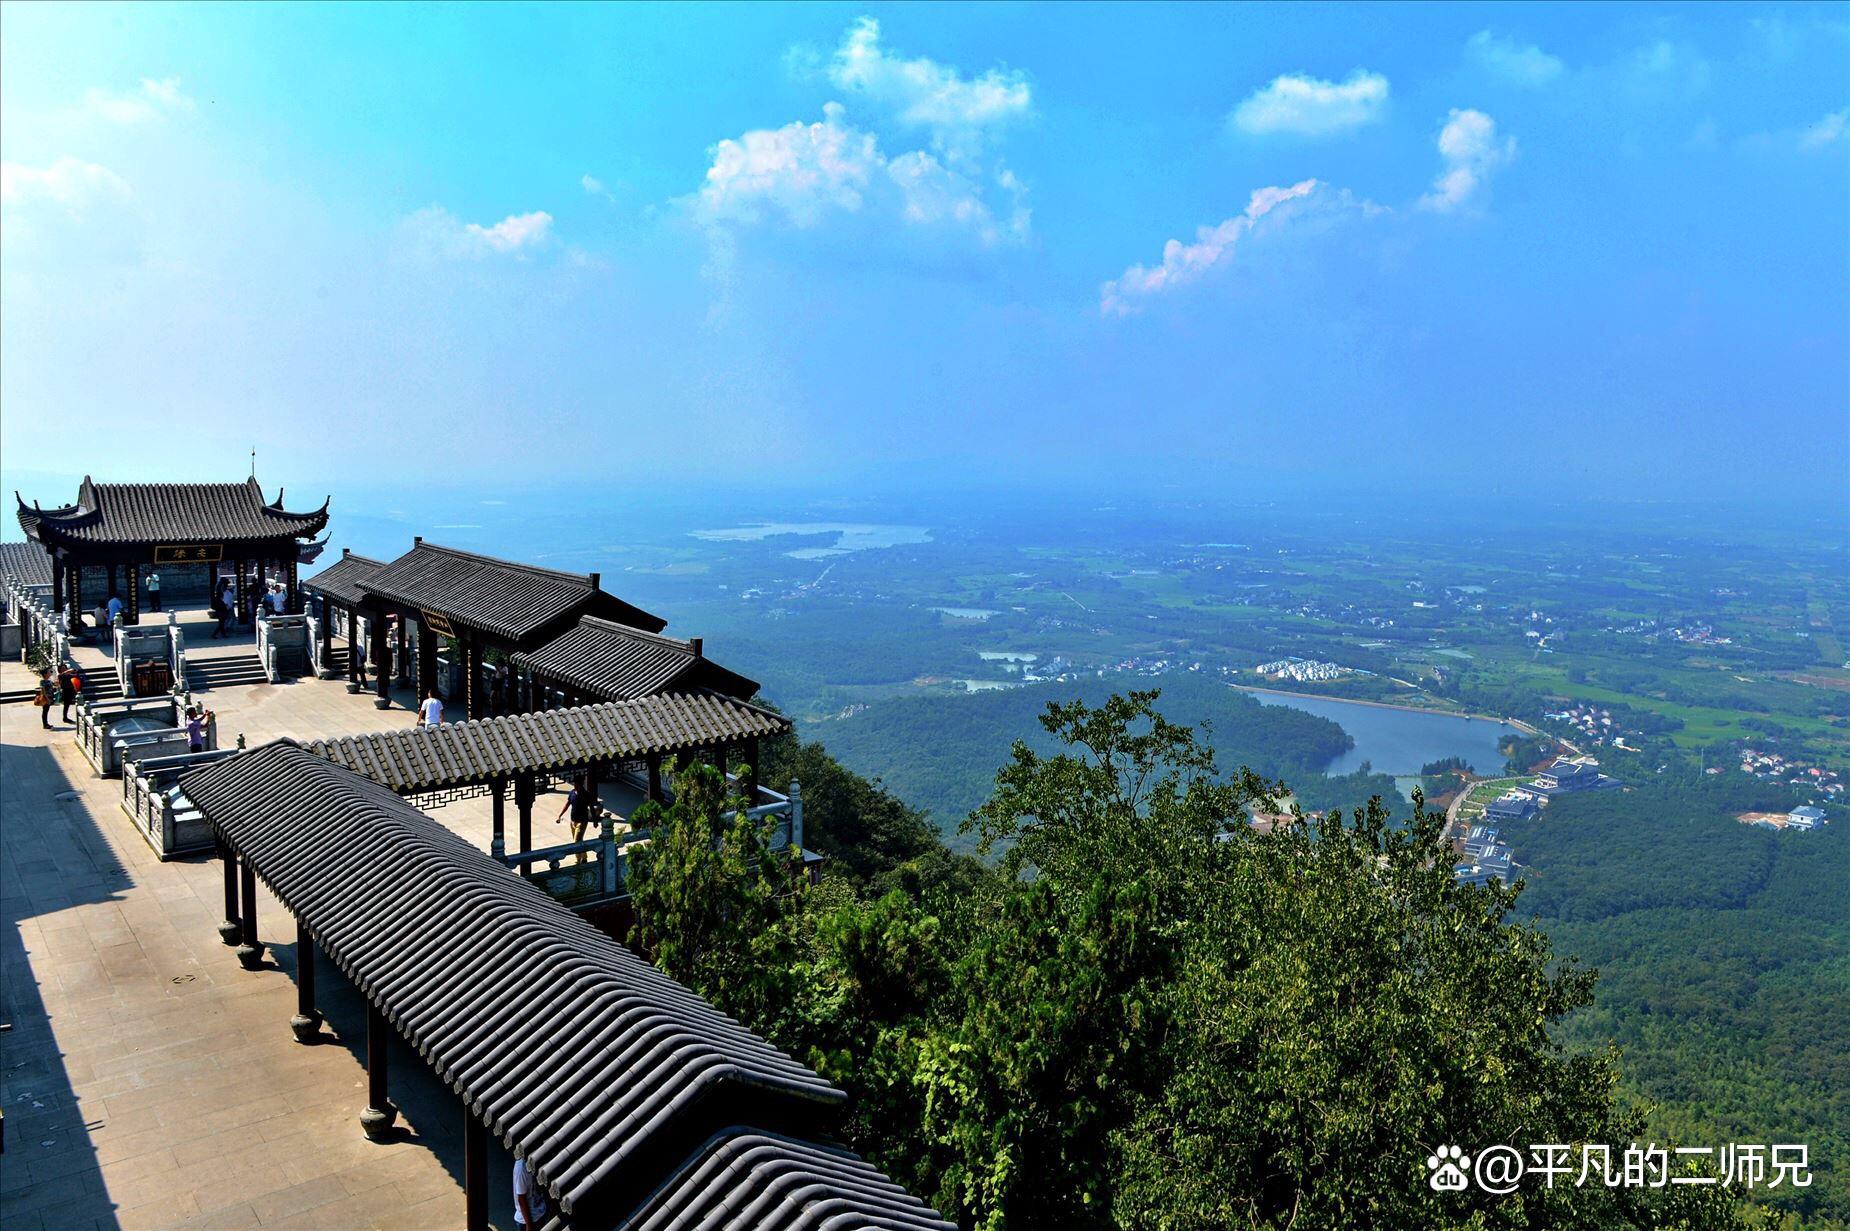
(196, 729)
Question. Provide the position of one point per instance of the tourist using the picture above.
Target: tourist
(580, 802)
(67, 689)
(115, 610)
(257, 605)
(357, 652)
(279, 598)
(101, 618)
(44, 697)
(221, 611)
(430, 713)
(530, 1208)
(196, 718)
(154, 591)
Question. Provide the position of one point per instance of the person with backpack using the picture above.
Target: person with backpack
(44, 697)
(69, 684)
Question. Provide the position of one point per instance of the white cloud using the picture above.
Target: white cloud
(1471, 150)
(1185, 263)
(802, 175)
(1522, 63)
(596, 187)
(1306, 106)
(151, 100)
(435, 232)
(1827, 131)
(799, 172)
(959, 112)
(69, 182)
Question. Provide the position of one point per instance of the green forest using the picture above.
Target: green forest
(1135, 1011)
(1724, 959)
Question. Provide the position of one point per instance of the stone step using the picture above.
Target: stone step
(203, 675)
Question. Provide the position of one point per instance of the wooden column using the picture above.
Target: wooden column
(77, 592)
(428, 644)
(306, 1024)
(472, 678)
(400, 663)
(382, 684)
(499, 844)
(655, 778)
(250, 953)
(229, 929)
(353, 645)
(475, 1172)
(57, 586)
(751, 773)
(133, 613)
(523, 803)
(291, 575)
(113, 592)
(239, 600)
(377, 1120)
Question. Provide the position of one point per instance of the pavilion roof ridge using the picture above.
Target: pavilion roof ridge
(585, 579)
(640, 634)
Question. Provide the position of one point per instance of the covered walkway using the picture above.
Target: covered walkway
(618, 1086)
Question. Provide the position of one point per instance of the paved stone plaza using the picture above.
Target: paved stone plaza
(148, 1079)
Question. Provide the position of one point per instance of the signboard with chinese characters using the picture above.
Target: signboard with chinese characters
(208, 553)
(437, 624)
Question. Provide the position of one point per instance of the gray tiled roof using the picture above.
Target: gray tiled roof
(341, 580)
(498, 597)
(169, 513)
(617, 662)
(26, 562)
(424, 758)
(603, 1073)
(745, 1179)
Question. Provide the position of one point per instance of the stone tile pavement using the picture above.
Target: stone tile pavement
(150, 1081)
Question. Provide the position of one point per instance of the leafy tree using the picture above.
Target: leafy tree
(711, 897)
(1154, 1016)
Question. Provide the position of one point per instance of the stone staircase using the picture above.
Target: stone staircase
(234, 671)
(98, 686)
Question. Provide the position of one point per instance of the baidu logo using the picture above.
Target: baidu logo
(1448, 1175)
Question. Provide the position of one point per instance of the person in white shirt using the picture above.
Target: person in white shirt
(430, 713)
(154, 591)
(530, 1209)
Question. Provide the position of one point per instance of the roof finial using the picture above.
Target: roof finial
(253, 463)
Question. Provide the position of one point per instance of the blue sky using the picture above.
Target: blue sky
(1507, 249)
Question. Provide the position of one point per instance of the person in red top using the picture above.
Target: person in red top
(70, 684)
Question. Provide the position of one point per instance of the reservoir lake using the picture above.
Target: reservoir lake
(1397, 741)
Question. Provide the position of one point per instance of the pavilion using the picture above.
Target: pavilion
(452, 760)
(115, 531)
(484, 604)
(601, 660)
